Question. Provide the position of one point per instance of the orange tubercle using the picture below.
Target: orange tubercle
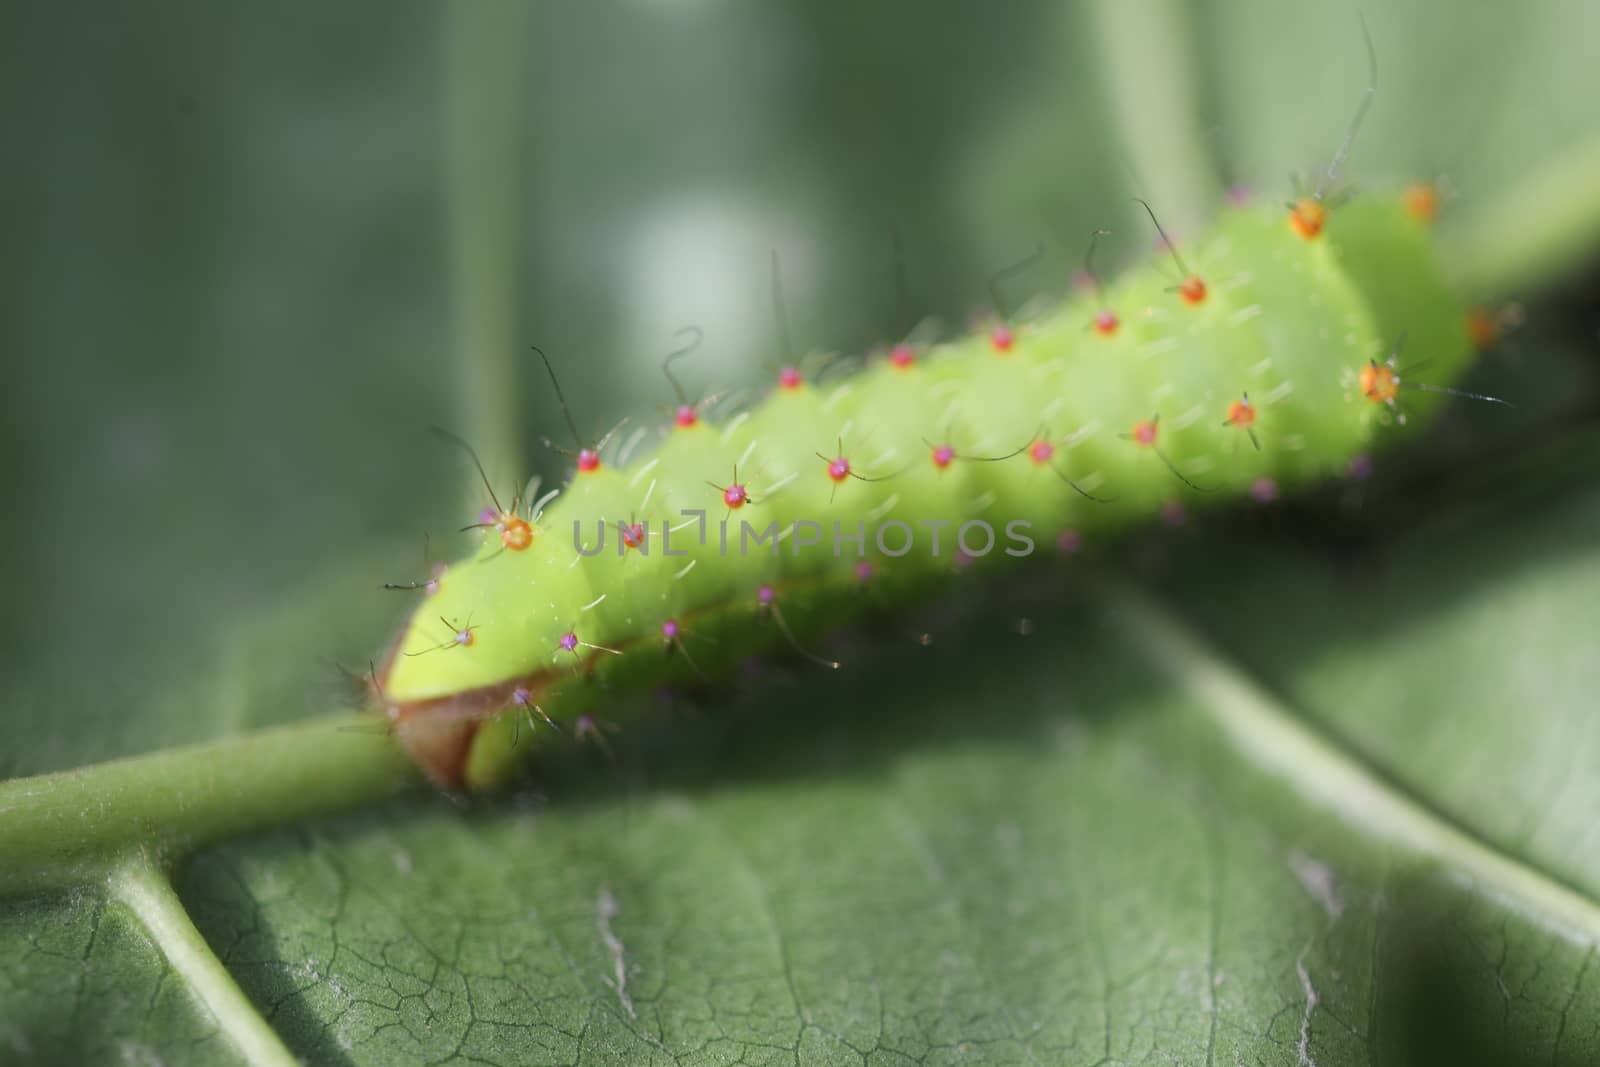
(1422, 201)
(515, 533)
(1379, 383)
(1307, 216)
(1483, 329)
(1241, 413)
(1192, 289)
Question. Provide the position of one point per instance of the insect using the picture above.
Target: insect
(1272, 378)
(1266, 363)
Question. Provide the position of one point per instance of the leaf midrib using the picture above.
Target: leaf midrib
(1263, 729)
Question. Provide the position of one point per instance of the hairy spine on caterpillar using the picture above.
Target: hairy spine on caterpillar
(1075, 433)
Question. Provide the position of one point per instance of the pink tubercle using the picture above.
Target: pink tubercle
(943, 456)
(789, 378)
(1360, 468)
(864, 571)
(1173, 513)
(670, 630)
(839, 469)
(588, 461)
(902, 356)
(766, 595)
(735, 496)
(1002, 338)
(1041, 451)
(685, 416)
(1264, 490)
(569, 642)
(1069, 542)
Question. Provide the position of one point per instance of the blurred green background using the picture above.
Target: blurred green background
(230, 230)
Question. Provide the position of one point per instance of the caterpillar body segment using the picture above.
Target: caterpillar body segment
(1069, 429)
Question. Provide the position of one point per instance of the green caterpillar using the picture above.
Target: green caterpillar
(1264, 366)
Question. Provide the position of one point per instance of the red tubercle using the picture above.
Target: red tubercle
(632, 534)
(943, 456)
(734, 494)
(902, 356)
(1106, 322)
(1144, 433)
(1192, 290)
(1002, 339)
(685, 417)
(1041, 452)
(838, 468)
(789, 378)
(588, 461)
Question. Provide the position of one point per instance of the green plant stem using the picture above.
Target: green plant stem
(69, 828)
(486, 70)
(1534, 232)
(1147, 57)
(144, 889)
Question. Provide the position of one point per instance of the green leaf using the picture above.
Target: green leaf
(1109, 841)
